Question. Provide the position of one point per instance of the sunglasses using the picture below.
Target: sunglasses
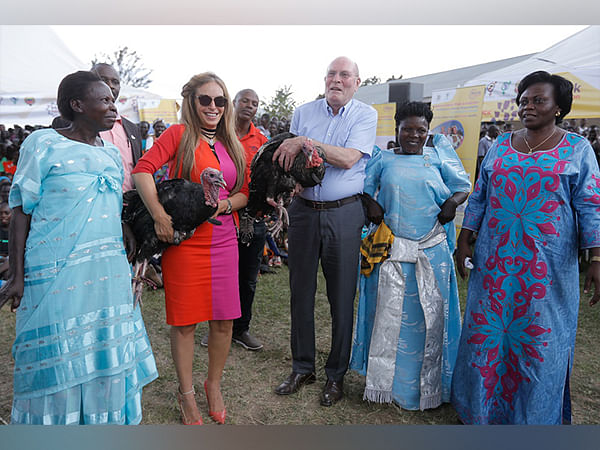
(206, 100)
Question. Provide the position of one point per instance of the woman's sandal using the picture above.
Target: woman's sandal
(184, 419)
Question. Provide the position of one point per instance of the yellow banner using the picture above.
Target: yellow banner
(457, 115)
(586, 98)
(386, 125)
(500, 102)
(152, 109)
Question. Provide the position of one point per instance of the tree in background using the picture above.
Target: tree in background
(129, 65)
(281, 105)
(392, 78)
(373, 80)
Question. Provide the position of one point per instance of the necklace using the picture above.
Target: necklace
(210, 135)
(531, 149)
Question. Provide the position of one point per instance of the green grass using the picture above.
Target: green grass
(250, 377)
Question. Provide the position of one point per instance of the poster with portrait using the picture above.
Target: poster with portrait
(457, 115)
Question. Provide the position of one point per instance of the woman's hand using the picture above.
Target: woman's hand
(222, 208)
(128, 241)
(593, 275)
(13, 291)
(163, 226)
(463, 250)
(448, 211)
(448, 208)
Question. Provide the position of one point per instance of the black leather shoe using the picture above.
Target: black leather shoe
(333, 391)
(294, 382)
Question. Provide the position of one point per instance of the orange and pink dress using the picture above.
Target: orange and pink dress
(201, 274)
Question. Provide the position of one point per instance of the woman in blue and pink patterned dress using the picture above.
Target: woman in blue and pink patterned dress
(535, 204)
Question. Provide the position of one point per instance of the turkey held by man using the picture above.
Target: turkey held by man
(272, 188)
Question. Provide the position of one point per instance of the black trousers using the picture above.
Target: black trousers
(333, 237)
(249, 265)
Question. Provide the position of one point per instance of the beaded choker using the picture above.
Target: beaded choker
(210, 135)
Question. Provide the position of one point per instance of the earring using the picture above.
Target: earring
(557, 113)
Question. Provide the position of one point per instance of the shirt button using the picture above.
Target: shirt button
(427, 164)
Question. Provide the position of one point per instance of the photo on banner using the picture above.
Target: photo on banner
(457, 115)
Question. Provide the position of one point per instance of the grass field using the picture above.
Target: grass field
(250, 377)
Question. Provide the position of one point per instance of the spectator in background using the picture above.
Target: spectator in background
(391, 144)
(246, 103)
(5, 214)
(12, 157)
(484, 145)
(263, 126)
(273, 127)
(4, 188)
(144, 129)
(60, 122)
(582, 129)
(594, 141)
(507, 128)
(158, 128)
(124, 134)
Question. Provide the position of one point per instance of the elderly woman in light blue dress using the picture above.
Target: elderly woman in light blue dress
(408, 321)
(81, 351)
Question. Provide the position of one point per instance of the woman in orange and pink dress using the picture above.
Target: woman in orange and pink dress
(198, 273)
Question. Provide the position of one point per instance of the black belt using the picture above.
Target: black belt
(329, 205)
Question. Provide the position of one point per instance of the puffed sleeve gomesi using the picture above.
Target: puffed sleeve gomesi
(453, 173)
(26, 187)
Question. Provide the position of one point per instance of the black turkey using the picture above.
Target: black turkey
(189, 205)
(271, 188)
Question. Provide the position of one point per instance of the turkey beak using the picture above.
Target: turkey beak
(220, 181)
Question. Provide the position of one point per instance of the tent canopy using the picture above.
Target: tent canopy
(34, 61)
(577, 58)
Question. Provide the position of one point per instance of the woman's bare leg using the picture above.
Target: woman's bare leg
(182, 350)
(219, 343)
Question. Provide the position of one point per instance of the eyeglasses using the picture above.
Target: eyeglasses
(206, 100)
(344, 75)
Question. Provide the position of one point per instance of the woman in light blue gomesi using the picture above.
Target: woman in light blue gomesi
(408, 321)
(81, 351)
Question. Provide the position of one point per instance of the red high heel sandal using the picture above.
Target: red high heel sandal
(184, 419)
(217, 416)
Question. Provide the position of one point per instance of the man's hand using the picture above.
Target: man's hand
(287, 152)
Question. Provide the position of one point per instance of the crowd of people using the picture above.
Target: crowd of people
(82, 355)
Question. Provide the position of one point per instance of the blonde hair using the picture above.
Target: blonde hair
(185, 159)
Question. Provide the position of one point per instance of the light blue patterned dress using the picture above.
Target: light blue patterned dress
(532, 214)
(81, 351)
(411, 189)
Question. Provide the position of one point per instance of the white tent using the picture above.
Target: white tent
(34, 61)
(577, 58)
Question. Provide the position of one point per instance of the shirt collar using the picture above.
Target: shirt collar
(342, 109)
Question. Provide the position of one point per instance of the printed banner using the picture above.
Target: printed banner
(386, 125)
(457, 115)
(152, 109)
(499, 101)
